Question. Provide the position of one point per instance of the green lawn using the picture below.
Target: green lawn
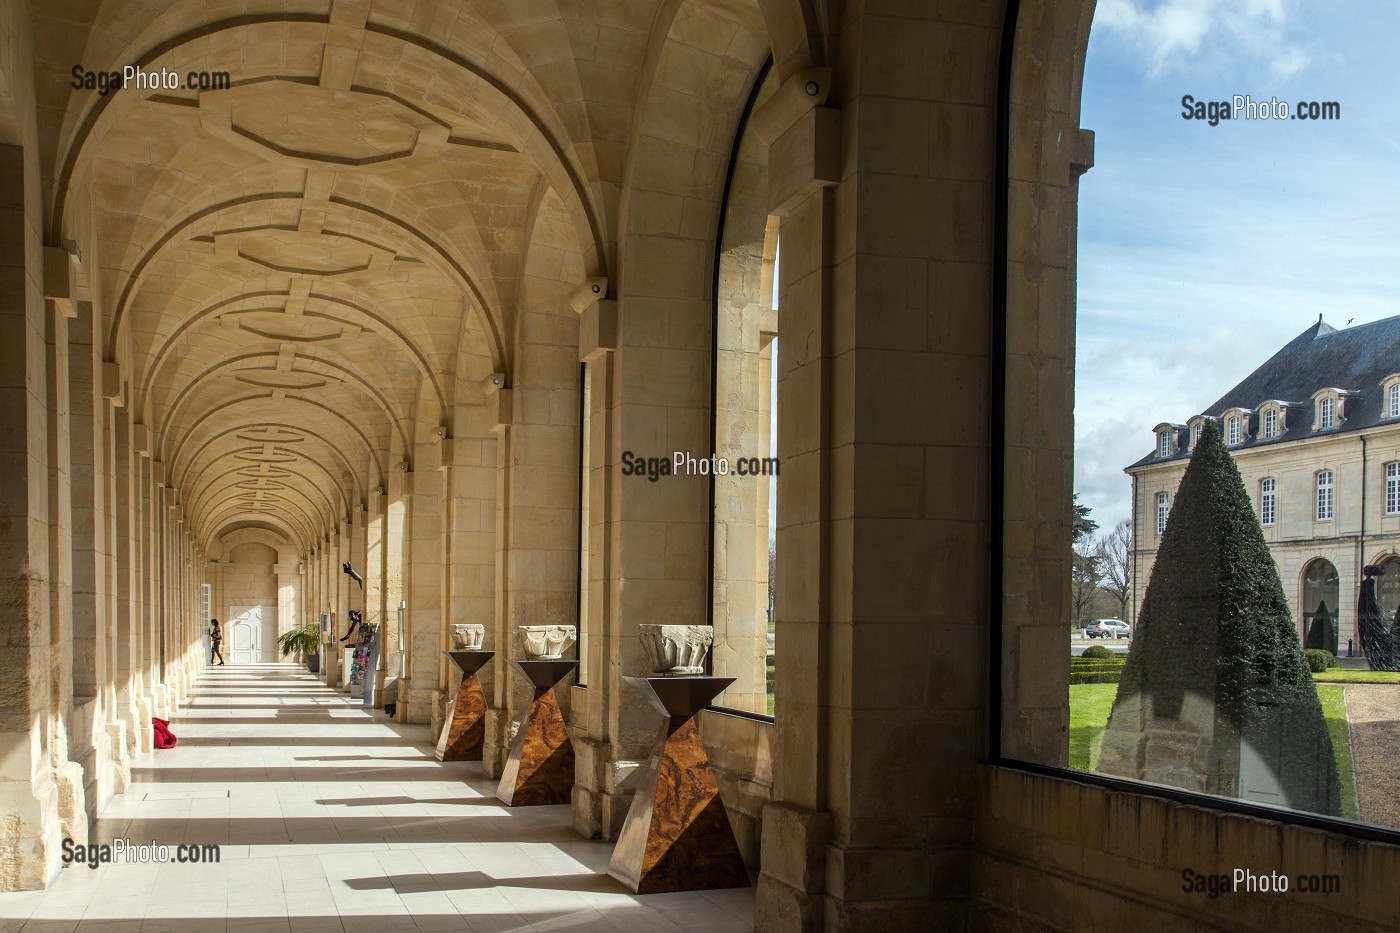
(1089, 706)
(1334, 707)
(1342, 675)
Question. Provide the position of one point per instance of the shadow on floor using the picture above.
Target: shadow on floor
(411, 801)
(476, 880)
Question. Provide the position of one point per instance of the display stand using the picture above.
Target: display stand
(371, 671)
(677, 835)
(540, 767)
(464, 734)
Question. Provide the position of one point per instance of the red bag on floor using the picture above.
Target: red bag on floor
(164, 737)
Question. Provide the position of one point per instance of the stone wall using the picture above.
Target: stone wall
(1059, 855)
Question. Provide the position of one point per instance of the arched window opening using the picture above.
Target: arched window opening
(1086, 240)
(744, 512)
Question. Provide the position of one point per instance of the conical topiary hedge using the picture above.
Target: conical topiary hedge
(1215, 696)
(1321, 634)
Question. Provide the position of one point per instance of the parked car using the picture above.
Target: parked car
(1108, 628)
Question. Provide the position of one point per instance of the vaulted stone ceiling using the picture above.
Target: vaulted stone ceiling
(302, 273)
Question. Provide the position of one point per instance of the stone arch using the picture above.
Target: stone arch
(1318, 582)
(1045, 152)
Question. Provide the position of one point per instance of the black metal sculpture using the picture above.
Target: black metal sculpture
(355, 616)
(1375, 625)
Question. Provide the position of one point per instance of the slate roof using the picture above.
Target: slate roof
(1354, 360)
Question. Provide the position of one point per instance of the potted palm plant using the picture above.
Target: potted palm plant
(305, 642)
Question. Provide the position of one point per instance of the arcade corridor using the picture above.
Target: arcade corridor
(330, 818)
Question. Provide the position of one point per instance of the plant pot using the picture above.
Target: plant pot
(313, 663)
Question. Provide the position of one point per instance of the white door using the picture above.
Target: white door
(251, 634)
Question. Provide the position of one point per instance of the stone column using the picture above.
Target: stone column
(426, 555)
(90, 745)
(28, 797)
(597, 784)
(884, 397)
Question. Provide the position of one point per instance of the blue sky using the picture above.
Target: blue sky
(1203, 249)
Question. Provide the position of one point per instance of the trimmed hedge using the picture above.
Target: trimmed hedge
(1099, 652)
(1319, 659)
(1216, 625)
(1100, 677)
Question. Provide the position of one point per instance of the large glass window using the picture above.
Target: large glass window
(745, 436)
(1322, 589)
(1134, 259)
(1324, 495)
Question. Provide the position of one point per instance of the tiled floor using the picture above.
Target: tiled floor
(332, 818)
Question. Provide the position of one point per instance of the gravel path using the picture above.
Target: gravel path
(1374, 713)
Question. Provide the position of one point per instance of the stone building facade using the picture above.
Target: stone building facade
(1315, 431)
(404, 288)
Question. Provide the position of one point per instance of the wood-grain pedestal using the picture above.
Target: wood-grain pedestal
(464, 734)
(677, 835)
(540, 767)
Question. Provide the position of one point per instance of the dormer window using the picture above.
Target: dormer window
(1196, 433)
(1235, 426)
(1390, 396)
(1169, 438)
(1330, 408)
(1270, 423)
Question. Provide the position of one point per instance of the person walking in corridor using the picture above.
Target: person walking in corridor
(216, 638)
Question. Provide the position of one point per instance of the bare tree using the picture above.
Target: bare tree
(1114, 552)
(1084, 581)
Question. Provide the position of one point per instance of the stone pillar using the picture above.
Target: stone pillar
(89, 742)
(600, 803)
(424, 620)
(883, 542)
(29, 854)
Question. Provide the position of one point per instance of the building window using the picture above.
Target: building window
(1324, 496)
(1326, 413)
(1392, 407)
(1234, 430)
(1392, 488)
(1196, 434)
(743, 531)
(1164, 444)
(1268, 501)
(1164, 508)
(1270, 424)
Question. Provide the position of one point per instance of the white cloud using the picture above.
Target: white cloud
(1186, 36)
